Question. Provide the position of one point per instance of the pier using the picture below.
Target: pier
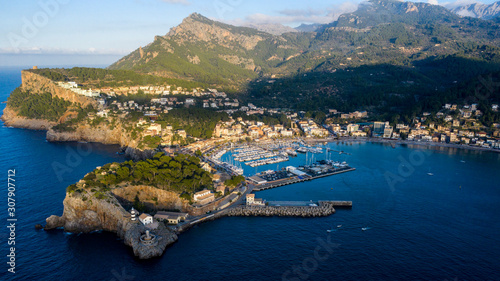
(338, 204)
(296, 179)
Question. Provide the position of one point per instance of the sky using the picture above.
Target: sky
(99, 32)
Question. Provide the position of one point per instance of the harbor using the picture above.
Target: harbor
(303, 163)
(290, 175)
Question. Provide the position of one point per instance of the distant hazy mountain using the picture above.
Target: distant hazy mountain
(272, 28)
(308, 27)
(479, 10)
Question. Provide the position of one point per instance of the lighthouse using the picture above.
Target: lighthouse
(133, 214)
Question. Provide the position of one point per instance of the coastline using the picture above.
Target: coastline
(11, 119)
(405, 142)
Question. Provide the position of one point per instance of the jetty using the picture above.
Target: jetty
(294, 175)
(321, 209)
(338, 204)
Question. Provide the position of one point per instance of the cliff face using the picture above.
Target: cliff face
(11, 119)
(38, 84)
(152, 197)
(102, 133)
(85, 213)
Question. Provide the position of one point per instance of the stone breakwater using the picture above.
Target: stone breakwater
(282, 211)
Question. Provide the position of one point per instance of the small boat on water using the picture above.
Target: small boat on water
(339, 226)
(430, 174)
(330, 230)
(365, 228)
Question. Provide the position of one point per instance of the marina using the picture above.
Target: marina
(291, 175)
(266, 153)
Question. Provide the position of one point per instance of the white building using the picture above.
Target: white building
(145, 218)
(204, 197)
(252, 201)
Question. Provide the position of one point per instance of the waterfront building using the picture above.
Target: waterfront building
(252, 201)
(204, 197)
(378, 128)
(352, 128)
(145, 218)
(171, 217)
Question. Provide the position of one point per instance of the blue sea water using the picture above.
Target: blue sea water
(443, 226)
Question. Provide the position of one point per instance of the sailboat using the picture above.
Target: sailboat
(429, 173)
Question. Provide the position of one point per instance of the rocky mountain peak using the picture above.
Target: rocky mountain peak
(479, 10)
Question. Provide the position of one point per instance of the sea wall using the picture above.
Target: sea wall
(282, 211)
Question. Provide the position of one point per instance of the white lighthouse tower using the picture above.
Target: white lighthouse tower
(133, 214)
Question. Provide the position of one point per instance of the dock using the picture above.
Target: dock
(338, 204)
(298, 179)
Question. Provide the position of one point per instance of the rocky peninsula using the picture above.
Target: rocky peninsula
(84, 213)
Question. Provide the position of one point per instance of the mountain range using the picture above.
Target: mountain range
(479, 10)
(386, 55)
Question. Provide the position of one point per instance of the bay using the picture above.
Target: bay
(421, 227)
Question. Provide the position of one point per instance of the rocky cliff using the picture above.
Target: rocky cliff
(38, 84)
(83, 212)
(153, 198)
(111, 131)
(103, 133)
(12, 119)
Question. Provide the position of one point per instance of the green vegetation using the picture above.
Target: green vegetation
(180, 174)
(197, 122)
(149, 142)
(269, 119)
(82, 113)
(394, 59)
(234, 181)
(38, 106)
(138, 205)
(99, 78)
(389, 56)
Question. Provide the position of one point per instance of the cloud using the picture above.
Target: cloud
(296, 16)
(433, 2)
(182, 2)
(458, 3)
(60, 51)
(466, 13)
(295, 12)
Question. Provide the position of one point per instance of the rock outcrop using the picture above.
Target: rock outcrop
(103, 133)
(85, 213)
(152, 197)
(37, 84)
(12, 119)
(137, 154)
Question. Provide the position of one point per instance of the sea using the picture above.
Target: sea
(427, 214)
